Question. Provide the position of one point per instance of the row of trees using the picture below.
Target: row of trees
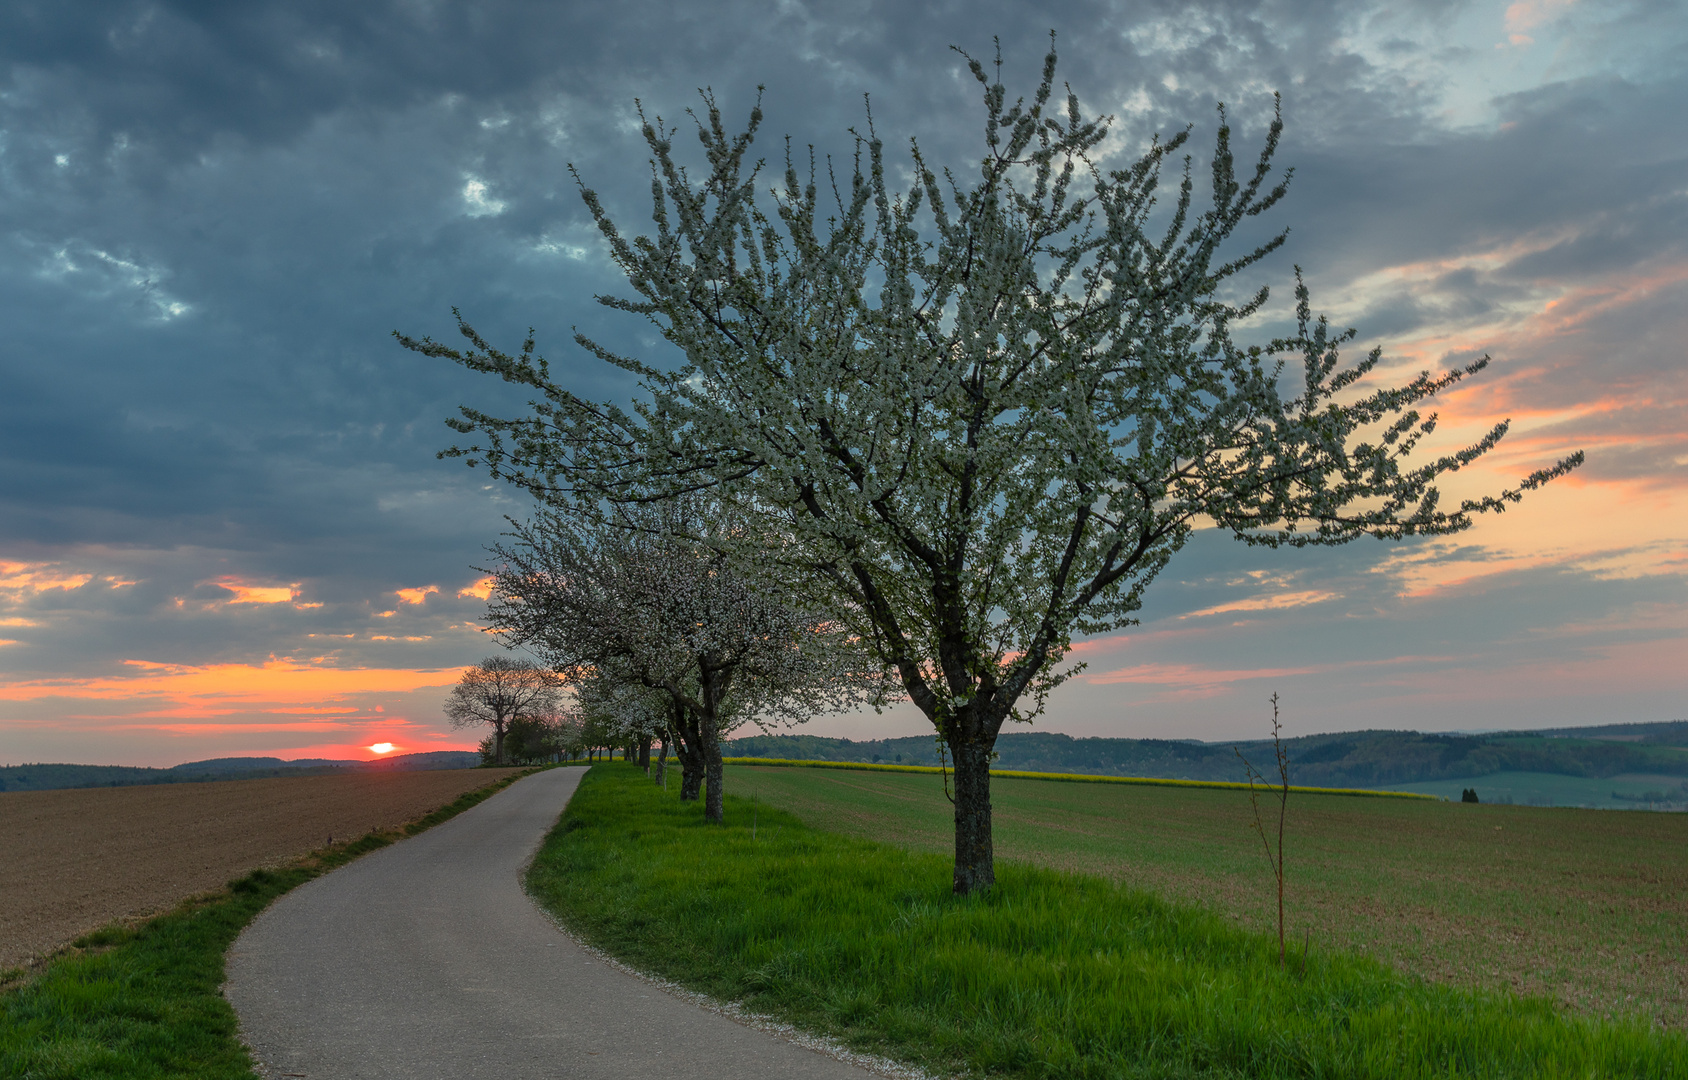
(547, 738)
(942, 431)
(663, 639)
(655, 637)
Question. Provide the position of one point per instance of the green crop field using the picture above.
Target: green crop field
(1587, 906)
(1626, 791)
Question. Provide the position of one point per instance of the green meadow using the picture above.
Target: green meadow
(1588, 907)
(1054, 973)
(1626, 791)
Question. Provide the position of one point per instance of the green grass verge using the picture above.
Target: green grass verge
(1050, 975)
(1076, 778)
(145, 1001)
(1587, 907)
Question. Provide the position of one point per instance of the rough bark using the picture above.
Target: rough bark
(714, 808)
(690, 753)
(975, 865)
(645, 753)
(691, 780)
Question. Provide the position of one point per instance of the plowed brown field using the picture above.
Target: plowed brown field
(72, 861)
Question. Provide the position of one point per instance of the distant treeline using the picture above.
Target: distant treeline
(46, 777)
(1343, 759)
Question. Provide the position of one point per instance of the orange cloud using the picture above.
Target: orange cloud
(214, 729)
(20, 577)
(416, 596)
(480, 590)
(256, 594)
(1274, 602)
(1192, 676)
(1554, 379)
(213, 688)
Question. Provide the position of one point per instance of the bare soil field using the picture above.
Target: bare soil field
(72, 861)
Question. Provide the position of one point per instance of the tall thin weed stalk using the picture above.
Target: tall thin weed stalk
(1274, 854)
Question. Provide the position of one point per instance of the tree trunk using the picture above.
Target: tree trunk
(691, 767)
(498, 744)
(688, 746)
(975, 863)
(714, 806)
(645, 753)
(661, 761)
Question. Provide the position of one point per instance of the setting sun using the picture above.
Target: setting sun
(382, 747)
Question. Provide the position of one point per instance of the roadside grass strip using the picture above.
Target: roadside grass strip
(1049, 975)
(144, 1001)
(1077, 778)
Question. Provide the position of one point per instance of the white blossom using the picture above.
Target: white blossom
(658, 631)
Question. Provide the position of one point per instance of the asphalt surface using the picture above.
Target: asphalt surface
(426, 959)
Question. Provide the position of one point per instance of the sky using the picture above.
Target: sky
(223, 527)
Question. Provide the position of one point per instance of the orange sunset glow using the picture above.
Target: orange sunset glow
(289, 707)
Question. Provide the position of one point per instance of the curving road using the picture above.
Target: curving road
(426, 959)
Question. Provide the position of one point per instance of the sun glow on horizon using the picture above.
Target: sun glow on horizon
(382, 747)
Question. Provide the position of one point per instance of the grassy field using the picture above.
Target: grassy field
(1643, 791)
(1588, 907)
(143, 1002)
(1049, 975)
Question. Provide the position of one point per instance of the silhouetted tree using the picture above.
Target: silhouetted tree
(496, 691)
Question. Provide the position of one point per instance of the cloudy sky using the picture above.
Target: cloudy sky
(223, 529)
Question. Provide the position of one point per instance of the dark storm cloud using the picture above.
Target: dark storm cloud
(212, 216)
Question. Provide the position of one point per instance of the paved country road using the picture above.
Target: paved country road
(426, 959)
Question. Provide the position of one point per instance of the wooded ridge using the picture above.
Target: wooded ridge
(1340, 759)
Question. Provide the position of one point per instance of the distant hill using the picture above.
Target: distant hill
(1365, 759)
(433, 759)
(1673, 733)
(46, 777)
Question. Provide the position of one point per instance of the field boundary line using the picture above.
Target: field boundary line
(1072, 778)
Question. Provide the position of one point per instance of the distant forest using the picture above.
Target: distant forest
(1345, 759)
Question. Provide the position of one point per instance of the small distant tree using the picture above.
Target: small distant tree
(496, 691)
(620, 701)
(534, 738)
